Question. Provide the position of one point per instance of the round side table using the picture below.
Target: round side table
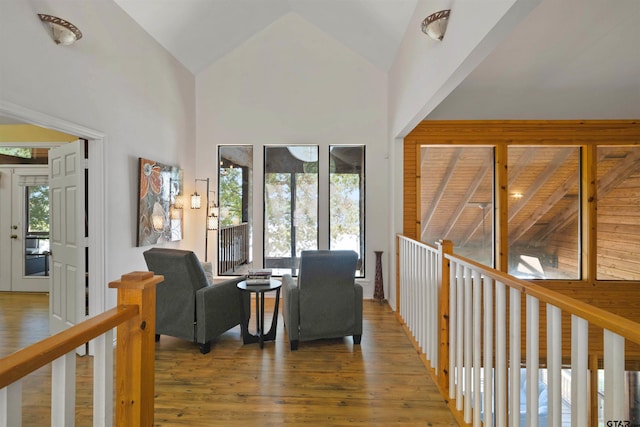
(259, 290)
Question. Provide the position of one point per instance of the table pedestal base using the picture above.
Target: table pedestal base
(260, 336)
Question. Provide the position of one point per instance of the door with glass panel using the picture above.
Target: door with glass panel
(29, 230)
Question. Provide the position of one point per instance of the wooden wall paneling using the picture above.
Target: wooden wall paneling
(589, 220)
(501, 213)
(621, 297)
(416, 198)
(410, 207)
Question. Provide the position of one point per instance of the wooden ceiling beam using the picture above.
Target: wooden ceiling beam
(444, 182)
(545, 207)
(514, 173)
(464, 202)
(557, 162)
(607, 183)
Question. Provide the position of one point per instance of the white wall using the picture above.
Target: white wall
(115, 80)
(294, 84)
(568, 60)
(425, 71)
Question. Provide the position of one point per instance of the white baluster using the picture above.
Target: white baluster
(488, 352)
(533, 359)
(554, 365)
(515, 354)
(103, 380)
(63, 390)
(11, 405)
(453, 321)
(477, 346)
(460, 340)
(614, 384)
(579, 372)
(501, 387)
(468, 341)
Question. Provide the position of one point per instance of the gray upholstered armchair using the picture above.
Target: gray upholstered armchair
(187, 305)
(325, 302)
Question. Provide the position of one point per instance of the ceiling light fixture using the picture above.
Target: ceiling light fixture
(435, 25)
(63, 32)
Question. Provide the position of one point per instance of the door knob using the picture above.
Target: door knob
(14, 236)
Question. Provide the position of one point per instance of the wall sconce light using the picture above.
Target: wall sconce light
(212, 213)
(435, 25)
(212, 218)
(63, 32)
(196, 200)
(212, 222)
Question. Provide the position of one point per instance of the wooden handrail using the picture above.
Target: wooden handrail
(595, 315)
(27, 360)
(134, 318)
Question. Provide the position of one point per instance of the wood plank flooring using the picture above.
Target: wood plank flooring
(382, 382)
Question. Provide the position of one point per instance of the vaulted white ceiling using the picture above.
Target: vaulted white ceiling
(199, 32)
(567, 59)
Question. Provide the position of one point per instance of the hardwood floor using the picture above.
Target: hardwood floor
(382, 382)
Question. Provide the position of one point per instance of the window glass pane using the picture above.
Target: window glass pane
(543, 212)
(346, 200)
(27, 156)
(618, 220)
(235, 175)
(36, 239)
(456, 193)
(290, 205)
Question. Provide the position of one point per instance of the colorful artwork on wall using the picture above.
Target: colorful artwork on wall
(159, 203)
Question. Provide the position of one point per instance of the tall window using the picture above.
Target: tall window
(235, 175)
(543, 212)
(37, 231)
(290, 205)
(618, 192)
(456, 188)
(457, 200)
(346, 200)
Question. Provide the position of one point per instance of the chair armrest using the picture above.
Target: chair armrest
(291, 307)
(358, 308)
(218, 309)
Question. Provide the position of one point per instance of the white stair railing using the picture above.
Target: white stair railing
(487, 313)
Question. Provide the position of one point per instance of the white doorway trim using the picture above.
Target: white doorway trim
(96, 191)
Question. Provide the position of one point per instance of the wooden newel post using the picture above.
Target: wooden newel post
(444, 247)
(135, 351)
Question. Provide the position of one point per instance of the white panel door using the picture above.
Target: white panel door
(67, 214)
(30, 230)
(24, 229)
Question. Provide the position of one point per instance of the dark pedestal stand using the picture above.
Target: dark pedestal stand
(378, 292)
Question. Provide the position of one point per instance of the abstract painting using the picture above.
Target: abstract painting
(159, 203)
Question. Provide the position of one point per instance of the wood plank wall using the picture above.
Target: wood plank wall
(620, 297)
(411, 216)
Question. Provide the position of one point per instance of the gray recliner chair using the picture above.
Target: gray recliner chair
(325, 302)
(187, 305)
